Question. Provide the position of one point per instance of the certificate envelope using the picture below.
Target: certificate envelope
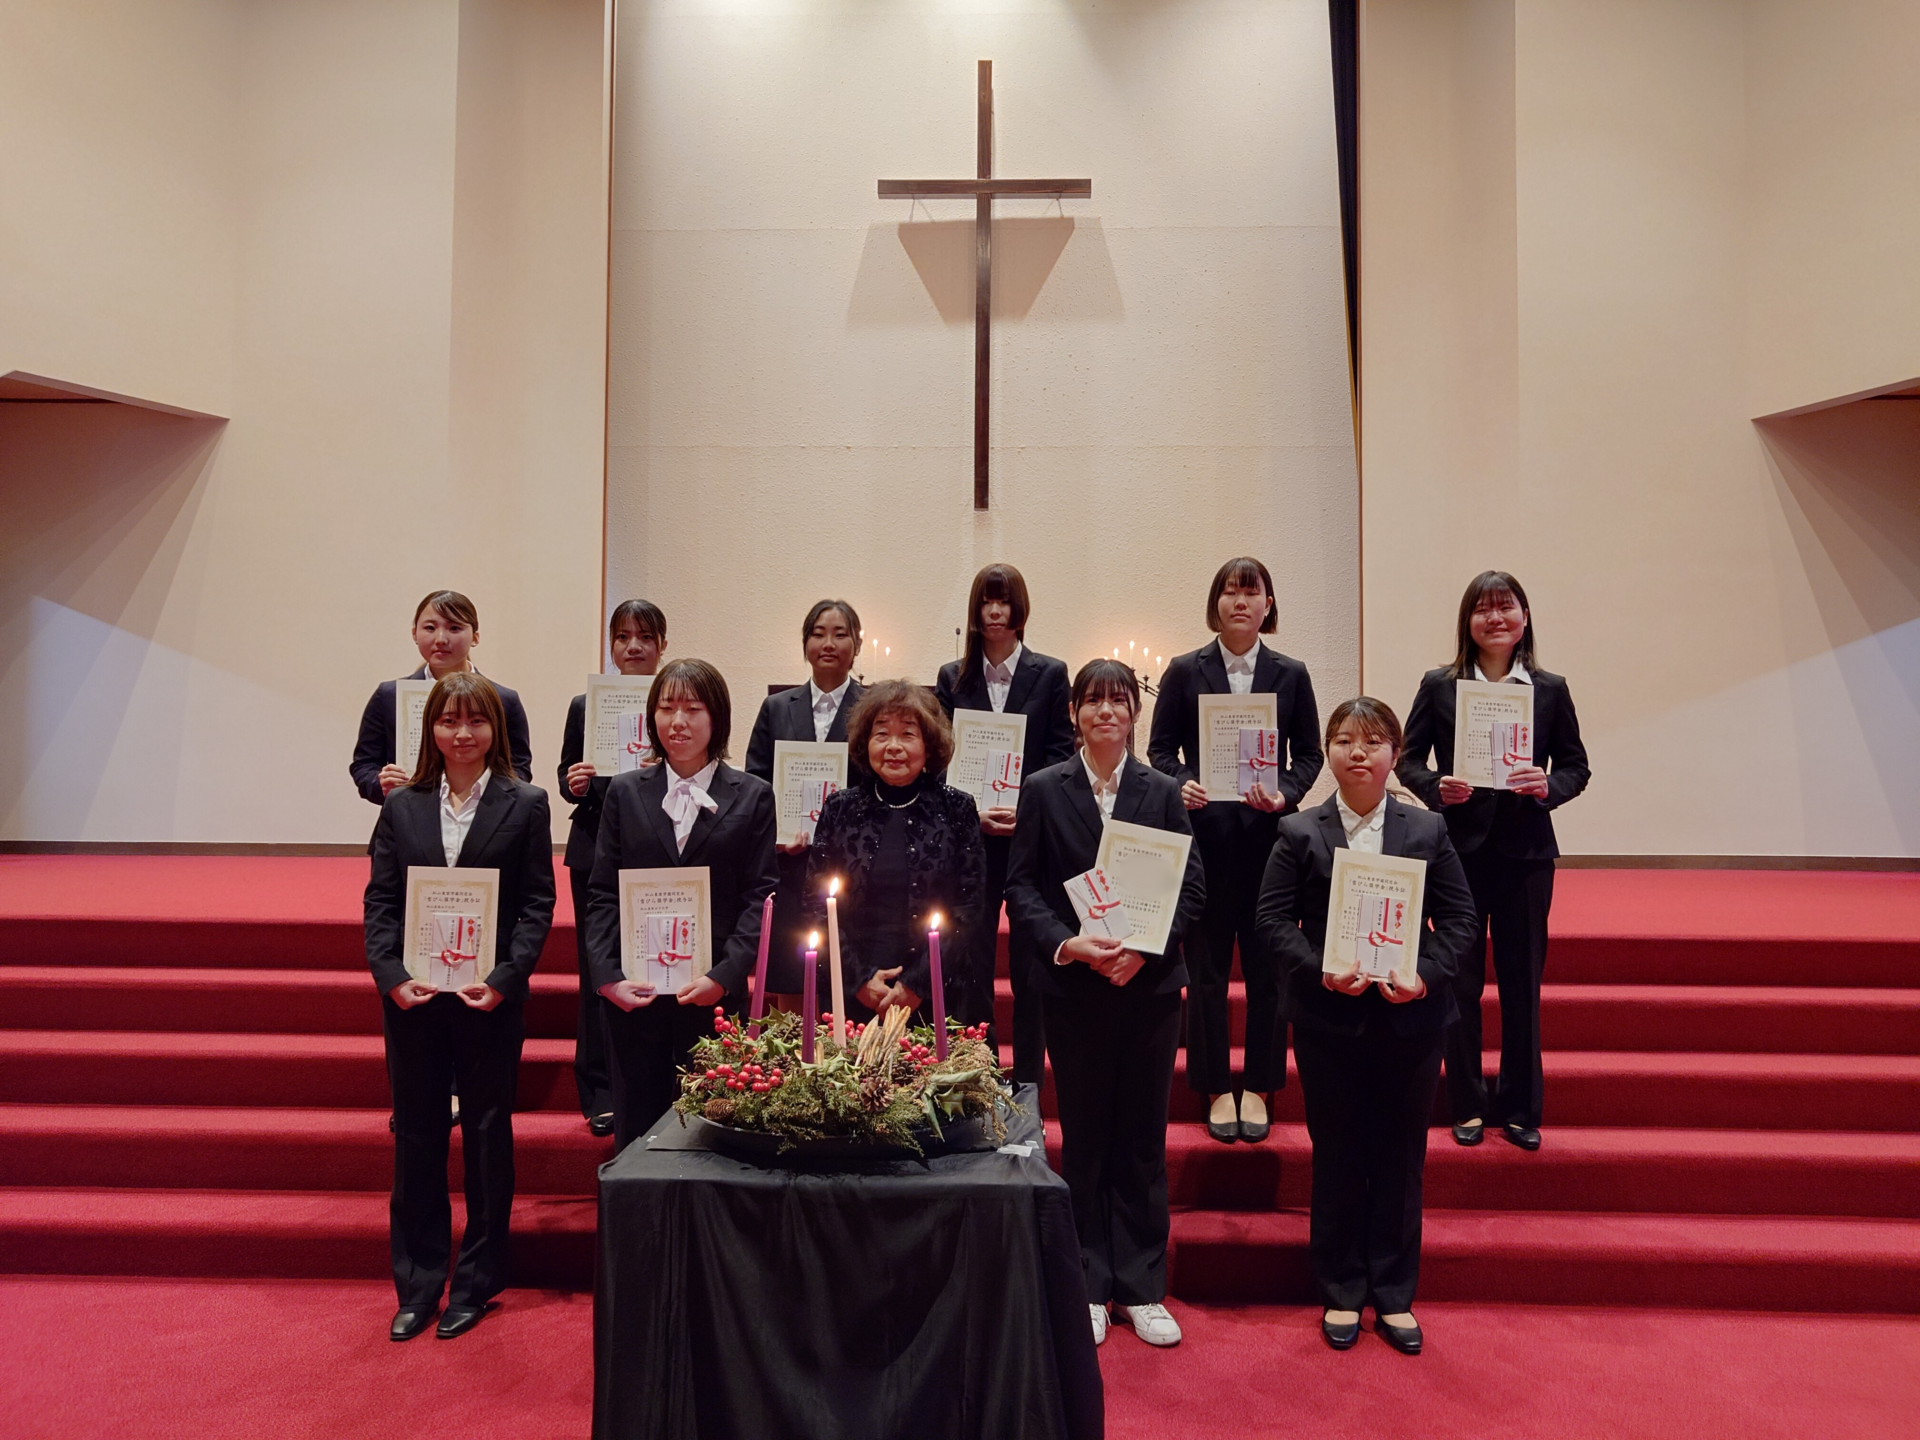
(1479, 705)
(1360, 881)
(795, 762)
(1222, 718)
(1148, 868)
(608, 698)
(448, 890)
(668, 890)
(975, 733)
(409, 715)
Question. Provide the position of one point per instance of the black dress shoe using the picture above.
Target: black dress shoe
(1469, 1134)
(411, 1320)
(459, 1319)
(1254, 1131)
(1525, 1136)
(1225, 1131)
(1340, 1337)
(1404, 1338)
(600, 1124)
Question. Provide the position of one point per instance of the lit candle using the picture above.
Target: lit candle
(810, 997)
(759, 1006)
(833, 961)
(939, 989)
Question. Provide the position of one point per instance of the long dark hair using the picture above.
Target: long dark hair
(995, 582)
(464, 692)
(1489, 584)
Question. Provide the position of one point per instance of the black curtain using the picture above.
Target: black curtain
(1343, 24)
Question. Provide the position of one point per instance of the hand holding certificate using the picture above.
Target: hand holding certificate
(1373, 919)
(805, 772)
(1493, 732)
(450, 925)
(1224, 721)
(617, 722)
(1148, 868)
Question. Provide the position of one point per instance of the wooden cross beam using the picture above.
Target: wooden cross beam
(983, 188)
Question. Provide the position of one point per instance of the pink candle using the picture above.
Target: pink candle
(939, 990)
(809, 998)
(759, 1006)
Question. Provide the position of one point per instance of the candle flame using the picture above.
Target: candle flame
(813, 940)
(834, 888)
(934, 923)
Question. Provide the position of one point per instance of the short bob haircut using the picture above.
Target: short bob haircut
(1496, 586)
(643, 615)
(1372, 718)
(1246, 572)
(899, 697)
(699, 681)
(465, 692)
(994, 582)
(452, 604)
(1102, 679)
(821, 607)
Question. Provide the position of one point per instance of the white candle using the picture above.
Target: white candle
(833, 963)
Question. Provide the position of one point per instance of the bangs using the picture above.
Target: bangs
(1107, 687)
(460, 704)
(1493, 592)
(1246, 573)
(675, 687)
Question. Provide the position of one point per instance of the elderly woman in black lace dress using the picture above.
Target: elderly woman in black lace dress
(904, 847)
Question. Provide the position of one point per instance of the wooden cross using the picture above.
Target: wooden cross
(983, 188)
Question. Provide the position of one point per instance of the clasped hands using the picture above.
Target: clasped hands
(1106, 957)
(884, 990)
(1352, 982)
(632, 994)
(1521, 780)
(1194, 796)
(409, 993)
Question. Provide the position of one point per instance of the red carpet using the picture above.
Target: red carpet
(235, 1360)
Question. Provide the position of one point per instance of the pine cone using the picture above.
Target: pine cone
(719, 1110)
(876, 1089)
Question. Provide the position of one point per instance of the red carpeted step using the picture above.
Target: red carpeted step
(104, 1068)
(290, 1002)
(1686, 1091)
(1731, 1172)
(1723, 1261)
(297, 1234)
(1752, 1019)
(192, 1147)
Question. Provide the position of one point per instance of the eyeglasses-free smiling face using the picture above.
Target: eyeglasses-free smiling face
(686, 728)
(464, 736)
(896, 750)
(443, 643)
(1105, 719)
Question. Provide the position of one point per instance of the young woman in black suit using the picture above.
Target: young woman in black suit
(1112, 1013)
(446, 627)
(1234, 839)
(636, 637)
(1369, 1052)
(997, 672)
(693, 809)
(463, 807)
(816, 711)
(1506, 842)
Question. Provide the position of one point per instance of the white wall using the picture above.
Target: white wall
(791, 382)
(341, 227)
(1708, 199)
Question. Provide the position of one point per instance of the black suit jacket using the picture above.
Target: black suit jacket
(374, 748)
(735, 843)
(788, 715)
(1040, 691)
(1174, 746)
(1517, 826)
(1057, 837)
(512, 833)
(1292, 916)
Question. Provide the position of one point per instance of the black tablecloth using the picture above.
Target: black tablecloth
(927, 1299)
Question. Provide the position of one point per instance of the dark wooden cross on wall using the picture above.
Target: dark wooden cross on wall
(983, 188)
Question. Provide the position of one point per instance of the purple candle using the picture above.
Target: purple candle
(939, 990)
(809, 997)
(759, 1006)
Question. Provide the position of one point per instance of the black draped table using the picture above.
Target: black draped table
(937, 1299)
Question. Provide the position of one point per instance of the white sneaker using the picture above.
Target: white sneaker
(1152, 1323)
(1099, 1324)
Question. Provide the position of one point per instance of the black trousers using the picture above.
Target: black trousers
(442, 1042)
(1368, 1100)
(1112, 1052)
(1029, 1023)
(645, 1049)
(590, 1027)
(1511, 898)
(1233, 892)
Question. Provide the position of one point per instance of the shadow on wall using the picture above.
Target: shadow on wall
(1055, 263)
(97, 501)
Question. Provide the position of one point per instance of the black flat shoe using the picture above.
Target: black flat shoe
(1404, 1338)
(1469, 1134)
(411, 1320)
(1226, 1132)
(1525, 1136)
(459, 1319)
(1254, 1131)
(601, 1125)
(1340, 1337)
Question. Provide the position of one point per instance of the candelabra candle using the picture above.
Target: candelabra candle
(759, 1006)
(939, 989)
(809, 997)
